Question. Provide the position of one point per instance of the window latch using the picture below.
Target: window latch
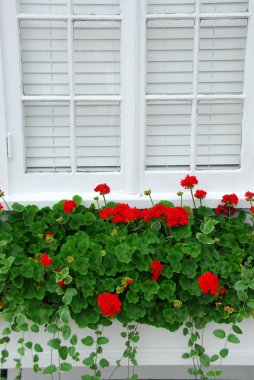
(9, 145)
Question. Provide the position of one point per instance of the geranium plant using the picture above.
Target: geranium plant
(167, 266)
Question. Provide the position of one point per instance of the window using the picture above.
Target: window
(135, 93)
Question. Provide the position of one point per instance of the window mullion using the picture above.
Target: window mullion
(71, 88)
(195, 88)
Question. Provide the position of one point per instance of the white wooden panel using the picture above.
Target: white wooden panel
(171, 6)
(98, 136)
(99, 7)
(42, 6)
(168, 135)
(47, 136)
(169, 56)
(222, 56)
(219, 135)
(224, 6)
(44, 57)
(97, 57)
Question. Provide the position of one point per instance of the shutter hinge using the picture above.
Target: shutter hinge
(9, 145)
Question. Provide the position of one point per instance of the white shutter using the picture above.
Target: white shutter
(168, 135)
(171, 6)
(42, 6)
(222, 55)
(99, 7)
(98, 136)
(169, 56)
(219, 131)
(47, 136)
(44, 57)
(97, 57)
(224, 5)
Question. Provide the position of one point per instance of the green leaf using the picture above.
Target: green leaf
(204, 360)
(237, 329)
(69, 294)
(232, 338)
(241, 285)
(213, 358)
(156, 226)
(204, 238)
(53, 329)
(77, 199)
(88, 341)
(208, 226)
(74, 340)
(63, 352)
(29, 345)
(102, 340)
(224, 352)
(54, 343)
(35, 358)
(219, 333)
(65, 367)
(66, 331)
(38, 347)
(104, 363)
(250, 304)
(50, 370)
(35, 328)
(243, 296)
(185, 355)
(18, 207)
(123, 253)
(88, 361)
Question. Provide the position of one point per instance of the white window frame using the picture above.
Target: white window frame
(129, 183)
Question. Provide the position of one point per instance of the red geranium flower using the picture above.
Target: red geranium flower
(249, 196)
(1, 206)
(230, 199)
(176, 216)
(109, 304)
(46, 260)
(121, 213)
(252, 209)
(189, 182)
(223, 290)
(48, 234)
(157, 267)
(103, 188)
(200, 194)
(68, 206)
(209, 283)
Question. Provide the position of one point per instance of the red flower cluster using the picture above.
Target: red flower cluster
(46, 260)
(252, 209)
(200, 194)
(209, 283)
(189, 182)
(109, 304)
(249, 196)
(121, 213)
(48, 234)
(68, 206)
(103, 188)
(229, 199)
(223, 290)
(174, 216)
(157, 267)
(1, 206)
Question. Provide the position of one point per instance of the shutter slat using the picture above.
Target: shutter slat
(219, 135)
(224, 6)
(98, 136)
(170, 53)
(43, 48)
(42, 6)
(171, 6)
(47, 136)
(168, 135)
(222, 41)
(101, 7)
(100, 57)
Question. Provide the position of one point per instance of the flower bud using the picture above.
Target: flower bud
(114, 233)
(103, 252)
(1, 193)
(180, 193)
(60, 220)
(70, 259)
(119, 290)
(148, 192)
(229, 309)
(96, 198)
(177, 304)
(40, 236)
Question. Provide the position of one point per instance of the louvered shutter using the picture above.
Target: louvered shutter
(47, 136)
(224, 5)
(171, 6)
(168, 135)
(219, 130)
(99, 7)
(42, 6)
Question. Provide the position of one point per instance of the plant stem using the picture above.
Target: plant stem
(104, 199)
(193, 198)
(6, 204)
(151, 199)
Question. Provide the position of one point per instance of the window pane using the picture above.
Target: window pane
(219, 132)
(224, 6)
(47, 136)
(98, 136)
(44, 57)
(171, 6)
(99, 7)
(169, 56)
(222, 56)
(42, 6)
(97, 57)
(168, 135)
